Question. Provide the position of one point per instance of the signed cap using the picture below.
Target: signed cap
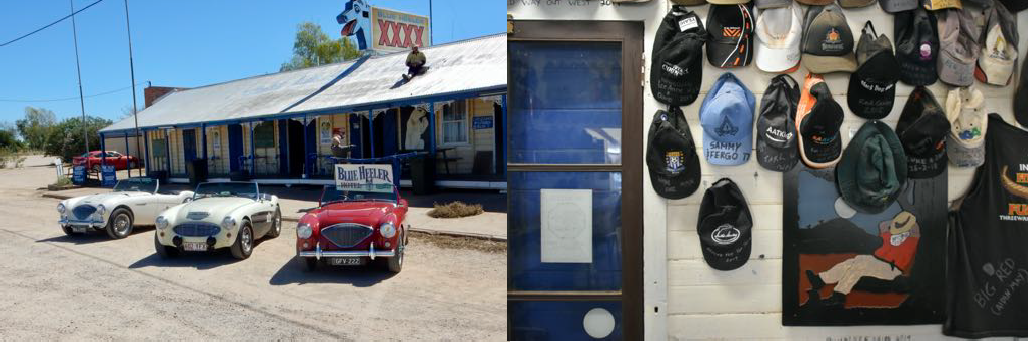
(677, 62)
(922, 130)
(965, 143)
(818, 120)
(873, 169)
(917, 46)
(958, 38)
(725, 226)
(671, 155)
(777, 147)
(872, 88)
(727, 119)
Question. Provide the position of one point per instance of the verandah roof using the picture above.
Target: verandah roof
(455, 69)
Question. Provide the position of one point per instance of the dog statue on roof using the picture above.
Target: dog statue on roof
(356, 21)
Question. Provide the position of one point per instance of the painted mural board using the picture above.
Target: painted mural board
(844, 267)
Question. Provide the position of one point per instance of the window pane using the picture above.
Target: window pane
(534, 321)
(526, 270)
(565, 104)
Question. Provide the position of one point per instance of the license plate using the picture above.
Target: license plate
(78, 229)
(353, 261)
(194, 246)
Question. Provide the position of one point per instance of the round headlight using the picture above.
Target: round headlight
(101, 210)
(61, 208)
(228, 222)
(387, 230)
(161, 222)
(304, 231)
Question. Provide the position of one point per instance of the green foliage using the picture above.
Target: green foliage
(66, 141)
(36, 126)
(313, 47)
(10, 158)
(9, 138)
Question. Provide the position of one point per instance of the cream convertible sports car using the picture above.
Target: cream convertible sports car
(133, 202)
(228, 214)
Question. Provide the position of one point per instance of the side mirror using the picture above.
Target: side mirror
(403, 203)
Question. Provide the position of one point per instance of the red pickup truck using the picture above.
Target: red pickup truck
(92, 161)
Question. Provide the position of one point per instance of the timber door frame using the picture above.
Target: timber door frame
(630, 35)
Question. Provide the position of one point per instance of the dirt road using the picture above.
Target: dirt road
(91, 287)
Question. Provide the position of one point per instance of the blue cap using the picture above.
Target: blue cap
(727, 119)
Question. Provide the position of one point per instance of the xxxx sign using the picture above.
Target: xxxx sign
(398, 31)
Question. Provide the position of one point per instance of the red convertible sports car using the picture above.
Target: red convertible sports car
(92, 161)
(354, 228)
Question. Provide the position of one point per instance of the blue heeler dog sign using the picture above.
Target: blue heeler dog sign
(364, 177)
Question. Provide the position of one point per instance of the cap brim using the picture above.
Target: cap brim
(727, 157)
(866, 103)
(964, 155)
(681, 185)
(821, 157)
(826, 64)
(722, 55)
(776, 60)
(775, 158)
(728, 257)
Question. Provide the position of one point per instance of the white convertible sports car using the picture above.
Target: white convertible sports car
(134, 202)
(226, 214)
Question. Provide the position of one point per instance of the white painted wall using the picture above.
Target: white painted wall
(686, 299)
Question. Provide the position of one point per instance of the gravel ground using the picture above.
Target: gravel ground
(91, 287)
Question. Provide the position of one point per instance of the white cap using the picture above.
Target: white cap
(968, 125)
(779, 34)
(998, 57)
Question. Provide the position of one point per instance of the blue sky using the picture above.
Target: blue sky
(176, 43)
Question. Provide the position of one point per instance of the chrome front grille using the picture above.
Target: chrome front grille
(346, 235)
(197, 229)
(83, 212)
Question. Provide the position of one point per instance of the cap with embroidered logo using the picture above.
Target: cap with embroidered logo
(671, 155)
(818, 121)
(828, 41)
(872, 88)
(725, 226)
(727, 119)
(730, 35)
(999, 47)
(777, 149)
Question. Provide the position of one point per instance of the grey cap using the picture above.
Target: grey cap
(893, 6)
(960, 50)
(764, 4)
(855, 3)
(827, 42)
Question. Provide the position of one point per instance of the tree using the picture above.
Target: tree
(313, 47)
(9, 138)
(65, 139)
(35, 127)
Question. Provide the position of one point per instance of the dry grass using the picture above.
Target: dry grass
(453, 242)
(455, 210)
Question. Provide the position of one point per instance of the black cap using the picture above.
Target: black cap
(872, 89)
(819, 129)
(725, 226)
(922, 130)
(677, 62)
(776, 127)
(917, 46)
(671, 155)
(730, 43)
(1021, 97)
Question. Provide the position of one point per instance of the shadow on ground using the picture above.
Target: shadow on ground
(293, 272)
(92, 237)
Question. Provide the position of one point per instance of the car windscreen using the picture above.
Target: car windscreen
(136, 184)
(331, 194)
(231, 189)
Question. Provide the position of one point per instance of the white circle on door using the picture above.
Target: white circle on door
(598, 323)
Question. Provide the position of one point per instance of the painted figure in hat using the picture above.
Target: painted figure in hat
(889, 263)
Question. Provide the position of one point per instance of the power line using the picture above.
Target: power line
(75, 97)
(51, 24)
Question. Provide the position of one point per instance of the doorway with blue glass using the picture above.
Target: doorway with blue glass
(574, 176)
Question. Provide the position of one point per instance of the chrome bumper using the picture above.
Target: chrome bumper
(81, 223)
(317, 253)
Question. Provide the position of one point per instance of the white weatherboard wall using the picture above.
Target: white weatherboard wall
(686, 299)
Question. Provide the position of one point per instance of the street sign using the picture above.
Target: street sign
(108, 176)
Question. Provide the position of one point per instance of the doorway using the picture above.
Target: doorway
(574, 180)
(296, 148)
(189, 144)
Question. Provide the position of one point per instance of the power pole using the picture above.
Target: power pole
(78, 68)
(132, 71)
(431, 25)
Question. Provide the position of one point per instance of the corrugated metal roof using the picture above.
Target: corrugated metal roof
(463, 66)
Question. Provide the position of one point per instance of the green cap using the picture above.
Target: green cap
(873, 168)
